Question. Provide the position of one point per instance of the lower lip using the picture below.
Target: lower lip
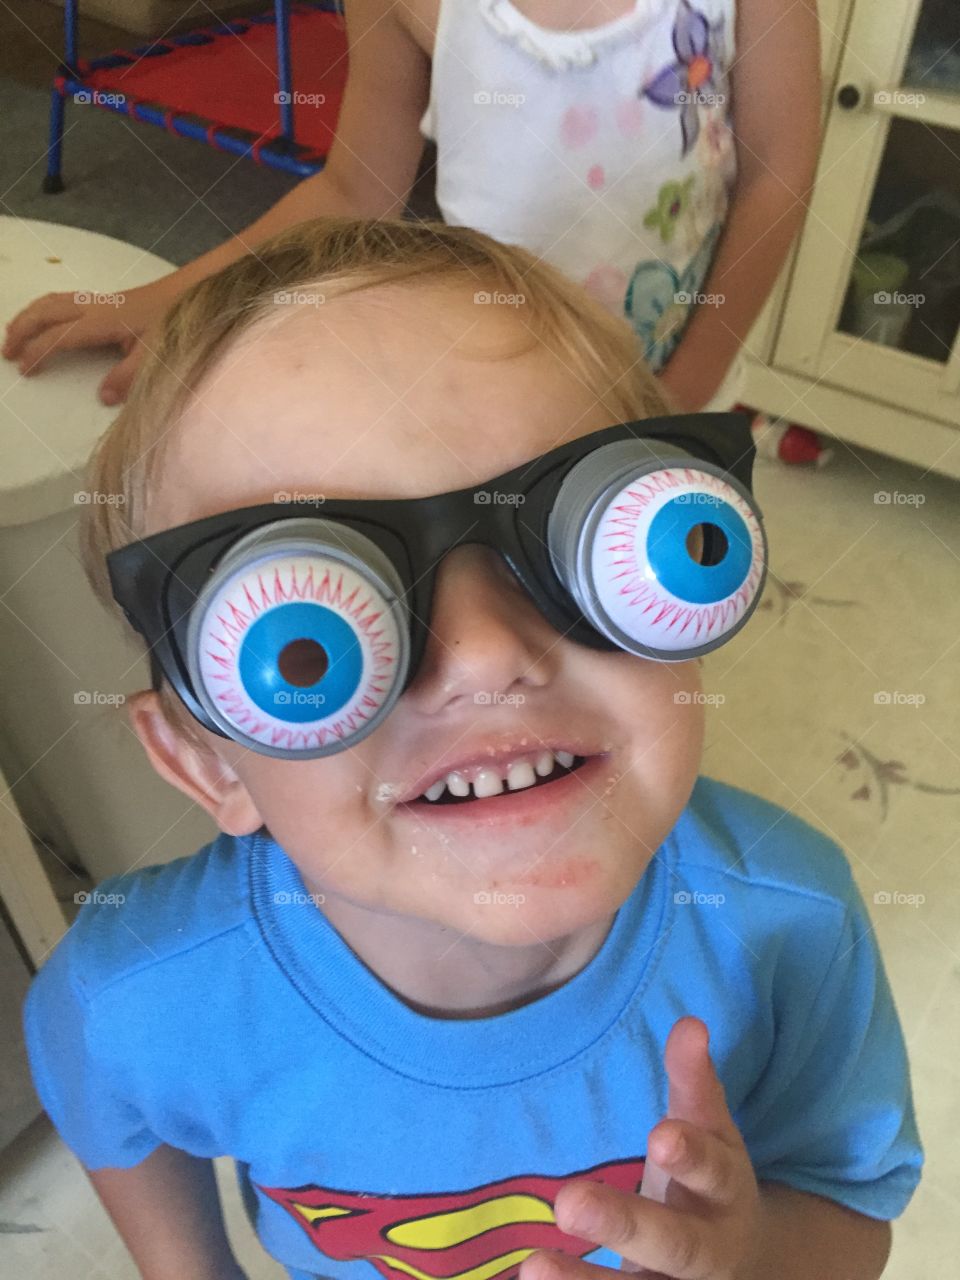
(521, 808)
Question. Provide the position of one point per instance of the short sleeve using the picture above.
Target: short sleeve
(833, 1113)
(70, 1060)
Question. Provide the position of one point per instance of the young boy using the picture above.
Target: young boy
(448, 975)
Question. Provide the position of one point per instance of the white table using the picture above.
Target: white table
(50, 422)
(77, 773)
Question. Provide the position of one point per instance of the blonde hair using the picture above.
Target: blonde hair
(340, 255)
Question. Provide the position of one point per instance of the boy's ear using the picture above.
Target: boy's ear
(200, 774)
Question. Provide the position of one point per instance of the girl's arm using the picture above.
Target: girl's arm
(369, 172)
(167, 1209)
(776, 122)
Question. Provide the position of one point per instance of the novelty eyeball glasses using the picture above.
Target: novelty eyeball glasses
(294, 630)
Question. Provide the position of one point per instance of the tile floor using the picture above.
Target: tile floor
(822, 714)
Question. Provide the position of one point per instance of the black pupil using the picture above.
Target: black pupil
(707, 544)
(303, 663)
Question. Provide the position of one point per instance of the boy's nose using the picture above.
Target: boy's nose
(486, 636)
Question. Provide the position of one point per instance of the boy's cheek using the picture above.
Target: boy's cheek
(649, 703)
(308, 814)
(658, 713)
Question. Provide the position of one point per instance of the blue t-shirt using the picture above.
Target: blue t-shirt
(216, 1009)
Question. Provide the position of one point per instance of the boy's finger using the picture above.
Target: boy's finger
(695, 1091)
(700, 1161)
(646, 1234)
(52, 308)
(546, 1264)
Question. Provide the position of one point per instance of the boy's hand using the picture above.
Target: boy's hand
(710, 1226)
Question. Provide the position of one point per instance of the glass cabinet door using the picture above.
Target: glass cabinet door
(933, 62)
(878, 271)
(904, 286)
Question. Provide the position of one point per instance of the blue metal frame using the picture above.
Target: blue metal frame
(284, 69)
(279, 153)
(53, 182)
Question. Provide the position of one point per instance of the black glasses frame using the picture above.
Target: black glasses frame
(156, 580)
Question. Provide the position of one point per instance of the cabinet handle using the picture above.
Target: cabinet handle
(849, 97)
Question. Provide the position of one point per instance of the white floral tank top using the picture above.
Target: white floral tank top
(608, 151)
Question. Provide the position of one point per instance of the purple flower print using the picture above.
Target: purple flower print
(696, 74)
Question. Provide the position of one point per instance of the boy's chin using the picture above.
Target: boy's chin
(533, 915)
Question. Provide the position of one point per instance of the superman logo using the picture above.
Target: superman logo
(481, 1234)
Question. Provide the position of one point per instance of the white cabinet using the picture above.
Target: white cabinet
(862, 338)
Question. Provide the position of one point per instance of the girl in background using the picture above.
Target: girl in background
(659, 152)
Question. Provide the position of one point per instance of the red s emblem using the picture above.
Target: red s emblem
(482, 1234)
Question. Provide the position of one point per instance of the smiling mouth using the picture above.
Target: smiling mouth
(523, 776)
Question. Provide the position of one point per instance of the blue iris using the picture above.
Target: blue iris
(675, 569)
(265, 641)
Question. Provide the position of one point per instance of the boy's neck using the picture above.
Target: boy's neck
(441, 973)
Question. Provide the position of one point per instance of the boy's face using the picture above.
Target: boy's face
(398, 393)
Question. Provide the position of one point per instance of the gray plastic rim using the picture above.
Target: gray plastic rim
(293, 537)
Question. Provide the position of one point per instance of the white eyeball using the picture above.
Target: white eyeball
(665, 556)
(296, 647)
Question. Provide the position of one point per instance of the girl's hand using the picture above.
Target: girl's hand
(710, 1226)
(71, 321)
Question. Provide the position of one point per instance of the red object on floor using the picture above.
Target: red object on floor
(800, 444)
(785, 442)
(232, 81)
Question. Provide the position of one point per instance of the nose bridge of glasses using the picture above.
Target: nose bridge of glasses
(447, 522)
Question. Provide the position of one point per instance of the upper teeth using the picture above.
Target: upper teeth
(490, 781)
